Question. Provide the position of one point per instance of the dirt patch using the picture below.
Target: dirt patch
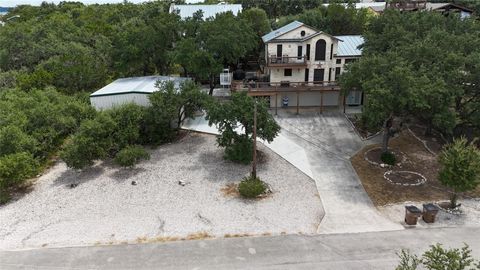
(434, 142)
(360, 126)
(230, 190)
(418, 159)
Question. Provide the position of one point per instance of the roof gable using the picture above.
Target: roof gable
(282, 30)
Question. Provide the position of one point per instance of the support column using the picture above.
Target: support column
(321, 101)
(298, 100)
(276, 103)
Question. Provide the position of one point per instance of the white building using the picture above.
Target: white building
(129, 90)
(186, 11)
(301, 58)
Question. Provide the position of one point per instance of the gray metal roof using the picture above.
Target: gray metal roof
(348, 46)
(143, 85)
(282, 30)
(186, 11)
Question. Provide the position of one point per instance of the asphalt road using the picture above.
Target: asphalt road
(332, 251)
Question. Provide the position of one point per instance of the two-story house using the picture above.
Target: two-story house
(304, 63)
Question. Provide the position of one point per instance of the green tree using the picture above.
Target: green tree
(236, 115)
(460, 169)
(15, 168)
(439, 258)
(130, 156)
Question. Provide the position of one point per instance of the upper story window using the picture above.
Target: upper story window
(339, 61)
(320, 50)
(302, 33)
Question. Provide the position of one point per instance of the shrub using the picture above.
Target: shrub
(15, 168)
(240, 150)
(131, 155)
(460, 170)
(251, 187)
(388, 158)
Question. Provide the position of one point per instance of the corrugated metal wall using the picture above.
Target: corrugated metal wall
(107, 102)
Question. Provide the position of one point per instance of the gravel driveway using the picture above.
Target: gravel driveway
(106, 209)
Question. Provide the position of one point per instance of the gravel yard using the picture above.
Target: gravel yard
(106, 208)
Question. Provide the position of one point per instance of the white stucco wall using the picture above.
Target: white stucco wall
(291, 49)
(107, 102)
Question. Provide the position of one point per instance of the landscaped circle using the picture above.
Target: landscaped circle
(405, 178)
(373, 156)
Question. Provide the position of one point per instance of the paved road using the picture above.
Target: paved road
(331, 251)
(329, 141)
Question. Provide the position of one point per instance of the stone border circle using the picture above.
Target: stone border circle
(383, 165)
(418, 182)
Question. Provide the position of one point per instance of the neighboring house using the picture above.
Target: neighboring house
(304, 63)
(186, 11)
(447, 8)
(129, 90)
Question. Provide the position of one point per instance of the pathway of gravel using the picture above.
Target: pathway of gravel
(105, 208)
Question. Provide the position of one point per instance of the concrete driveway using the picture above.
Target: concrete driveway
(329, 141)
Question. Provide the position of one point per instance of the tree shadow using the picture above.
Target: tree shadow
(70, 176)
(124, 174)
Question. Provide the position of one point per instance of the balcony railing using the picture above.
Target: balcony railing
(286, 86)
(408, 4)
(286, 61)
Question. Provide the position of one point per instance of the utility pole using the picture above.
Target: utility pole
(254, 162)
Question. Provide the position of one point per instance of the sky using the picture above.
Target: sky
(12, 3)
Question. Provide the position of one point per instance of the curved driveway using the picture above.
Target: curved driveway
(328, 141)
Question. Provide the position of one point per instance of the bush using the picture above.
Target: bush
(15, 168)
(131, 155)
(251, 187)
(240, 150)
(388, 158)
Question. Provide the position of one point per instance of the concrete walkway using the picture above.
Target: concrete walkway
(320, 145)
(329, 141)
(333, 251)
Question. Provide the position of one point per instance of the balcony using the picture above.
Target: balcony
(287, 61)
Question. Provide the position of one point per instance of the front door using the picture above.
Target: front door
(318, 75)
(279, 50)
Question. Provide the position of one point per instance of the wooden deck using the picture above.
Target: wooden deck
(279, 88)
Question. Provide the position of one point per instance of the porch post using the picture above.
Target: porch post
(321, 101)
(276, 103)
(298, 100)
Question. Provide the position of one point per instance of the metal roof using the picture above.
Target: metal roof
(348, 46)
(364, 5)
(186, 11)
(142, 85)
(282, 30)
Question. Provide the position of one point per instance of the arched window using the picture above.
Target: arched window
(320, 48)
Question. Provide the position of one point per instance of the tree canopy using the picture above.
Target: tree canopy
(410, 68)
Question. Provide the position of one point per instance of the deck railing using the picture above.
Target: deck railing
(286, 60)
(286, 86)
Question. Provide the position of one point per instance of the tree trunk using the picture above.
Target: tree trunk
(387, 133)
(212, 85)
(429, 129)
(453, 200)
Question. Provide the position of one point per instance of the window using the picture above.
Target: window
(299, 52)
(302, 33)
(308, 51)
(339, 61)
(337, 73)
(331, 51)
(287, 72)
(350, 60)
(320, 48)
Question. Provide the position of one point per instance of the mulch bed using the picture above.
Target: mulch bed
(418, 159)
(404, 178)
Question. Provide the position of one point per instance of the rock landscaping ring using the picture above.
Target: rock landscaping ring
(372, 156)
(405, 178)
